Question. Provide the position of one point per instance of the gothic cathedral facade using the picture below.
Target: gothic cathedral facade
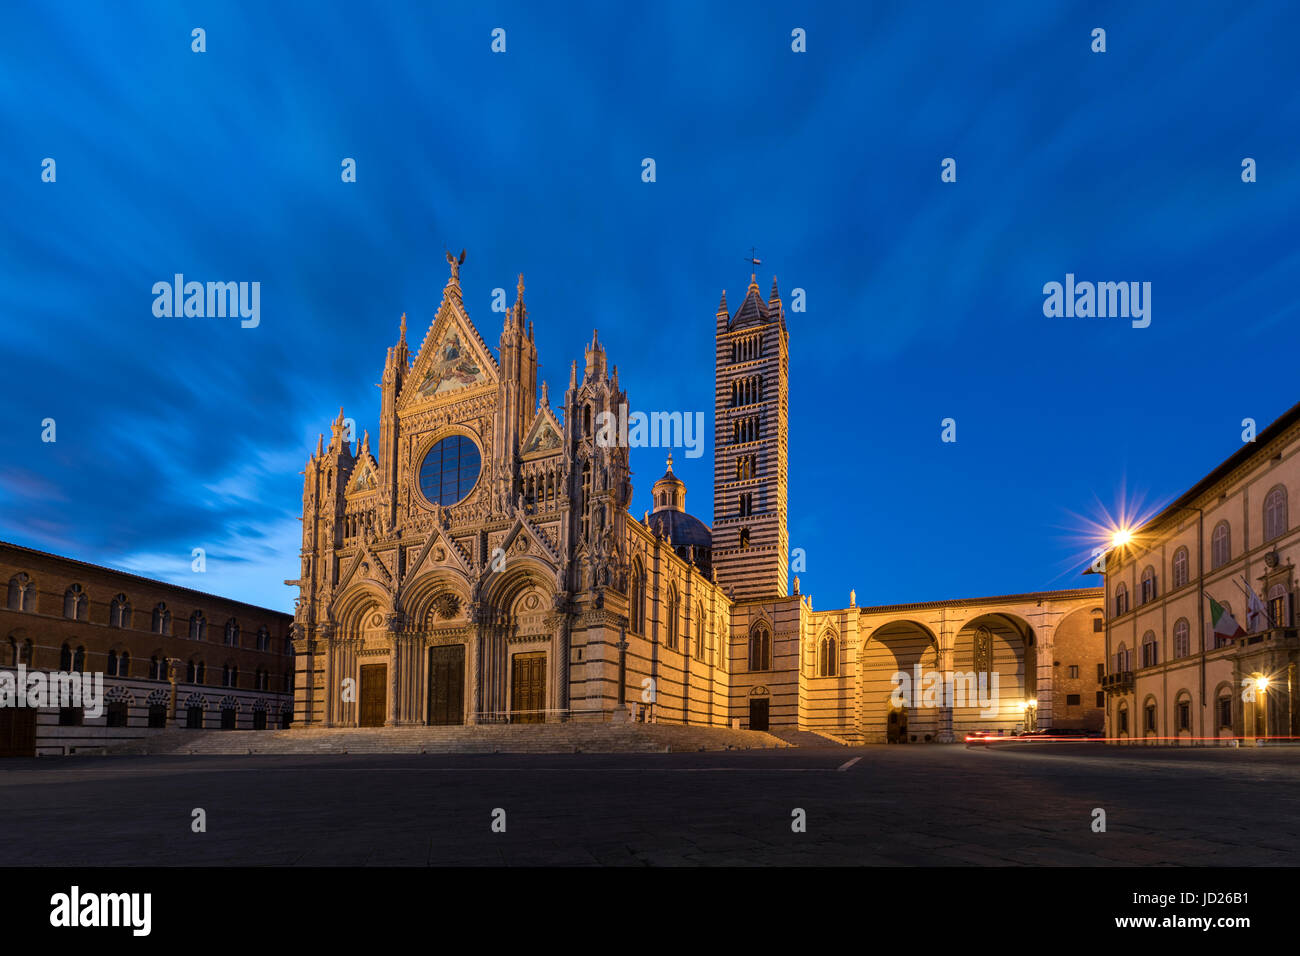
(480, 563)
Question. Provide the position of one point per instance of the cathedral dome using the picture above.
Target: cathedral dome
(689, 536)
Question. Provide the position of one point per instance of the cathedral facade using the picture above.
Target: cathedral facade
(479, 563)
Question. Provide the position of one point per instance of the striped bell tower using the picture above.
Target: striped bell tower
(751, 546)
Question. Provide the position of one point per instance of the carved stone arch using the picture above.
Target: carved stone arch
(896, 646)
(351, 610)
(999, 641)
(500, 589)
(429, 598)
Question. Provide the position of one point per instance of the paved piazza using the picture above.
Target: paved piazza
(893, 806)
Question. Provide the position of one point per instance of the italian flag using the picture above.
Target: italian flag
(1225, 625)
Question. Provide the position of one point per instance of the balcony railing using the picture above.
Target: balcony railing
(1117, 682)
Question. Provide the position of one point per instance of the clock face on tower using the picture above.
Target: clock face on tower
(450, 470)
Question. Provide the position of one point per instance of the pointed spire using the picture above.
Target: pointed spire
(753, 285)
(722, 305)
(401, 340)
(365, 442)
(776, 293)
(670, 463)
(573, 374)
(320, 444)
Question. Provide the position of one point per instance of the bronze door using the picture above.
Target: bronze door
(528, 688)
(374, 694)
(447, 684)
(758, 713)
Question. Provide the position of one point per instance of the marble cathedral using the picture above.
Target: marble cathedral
(479, 563)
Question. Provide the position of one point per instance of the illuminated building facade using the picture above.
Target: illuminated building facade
(1170, 676)
(479, 563)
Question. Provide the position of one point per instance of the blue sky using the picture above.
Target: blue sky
(924, 298)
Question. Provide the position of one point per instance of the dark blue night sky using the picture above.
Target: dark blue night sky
(924, 298)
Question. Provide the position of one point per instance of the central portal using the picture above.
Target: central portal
(528, 688)
(374, 694)
(447, 684)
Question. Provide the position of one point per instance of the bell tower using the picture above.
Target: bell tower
(751, 546)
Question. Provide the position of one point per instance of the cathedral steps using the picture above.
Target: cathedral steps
(808, 738)
(480, 739)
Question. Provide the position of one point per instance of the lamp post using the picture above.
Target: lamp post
(1031, 715)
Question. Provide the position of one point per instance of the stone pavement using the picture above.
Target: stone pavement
(924, 805)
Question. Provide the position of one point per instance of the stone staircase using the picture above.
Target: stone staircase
(808, 738)
(554, 738)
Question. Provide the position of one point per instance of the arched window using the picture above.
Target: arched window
(1220, 545)
(1148, 585)
(760, 648)
(119, 612)
(1123, 659)
(1121, 599)
(232, 633)
(1180, 567)
(189, 672)
(111, 668)
(636, 613)
(1278, 612)
(263, 639)
(670, 622)
(162, 619)
(699, 631)
(1182, 638)
(75, 603)
(11, 657)
(1150, 650)
(983, 651)
(22, 593)
(65, 658)
(744, 537)
(1275, 513)
(198, 626)
(1224, 710)
(124, 664)
(79, 660)
(827, 658)
(157, 669)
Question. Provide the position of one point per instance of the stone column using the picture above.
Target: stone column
(557, 622)
(947, 642)
(1043, 690)
(621, 713)
(475, 663)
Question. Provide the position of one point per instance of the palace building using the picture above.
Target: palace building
(1173, 676)
(168, 656)
(479, 562)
